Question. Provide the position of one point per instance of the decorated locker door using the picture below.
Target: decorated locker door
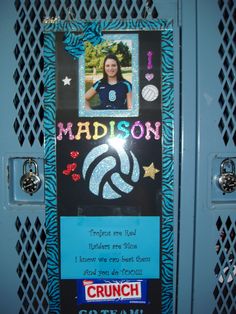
(109, 166)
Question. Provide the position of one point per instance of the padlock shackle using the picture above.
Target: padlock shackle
(226, 161)
(30, 161)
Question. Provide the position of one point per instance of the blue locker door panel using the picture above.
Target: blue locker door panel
(207, 224)
(9, 302)
(215, 225)
(23, 286)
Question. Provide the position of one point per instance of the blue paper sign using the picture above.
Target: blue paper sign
(110, 247)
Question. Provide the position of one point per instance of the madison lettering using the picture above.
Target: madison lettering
(96, 130)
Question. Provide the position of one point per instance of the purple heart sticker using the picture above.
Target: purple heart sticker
(149, 76)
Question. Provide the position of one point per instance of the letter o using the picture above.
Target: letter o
(140, 126)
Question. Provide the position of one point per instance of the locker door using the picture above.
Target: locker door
(23, 247)
(23, 255)
(215, 252)
(207, 252)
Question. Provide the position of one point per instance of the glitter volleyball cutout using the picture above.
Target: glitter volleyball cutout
(110, 175)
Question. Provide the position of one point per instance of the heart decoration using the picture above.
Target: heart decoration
(72, 166)
(75, 177)
(74, 154)
(69, 169)
(66, 172)
(149, 76)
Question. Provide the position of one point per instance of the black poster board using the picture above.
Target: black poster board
(106, 167)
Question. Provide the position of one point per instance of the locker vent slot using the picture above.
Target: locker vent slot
(225, 269)
(28, 100)
(31, 270)
(227, 53)
(28, 52)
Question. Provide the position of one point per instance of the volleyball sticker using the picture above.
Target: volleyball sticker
(150, 92)
(110, 171)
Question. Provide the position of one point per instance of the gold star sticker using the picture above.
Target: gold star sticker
(150, 171)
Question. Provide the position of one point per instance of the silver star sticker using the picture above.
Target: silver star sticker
(66, 80)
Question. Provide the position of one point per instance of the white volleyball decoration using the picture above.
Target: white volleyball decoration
(150, 92)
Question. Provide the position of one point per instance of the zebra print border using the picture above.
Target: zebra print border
(167, 151)
(114, 25)
(167, 170)
(50, 172)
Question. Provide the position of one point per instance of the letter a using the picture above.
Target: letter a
(83, 127)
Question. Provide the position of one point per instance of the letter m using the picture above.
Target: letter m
(64, 131)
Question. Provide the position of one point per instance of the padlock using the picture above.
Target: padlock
(227, 179)
(30, 181)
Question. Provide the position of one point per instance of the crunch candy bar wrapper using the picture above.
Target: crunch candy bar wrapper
(112, 291)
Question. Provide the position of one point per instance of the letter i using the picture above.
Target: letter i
(112, 127)
(149, 64)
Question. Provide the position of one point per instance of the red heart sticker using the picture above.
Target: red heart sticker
(73, 166)
(74, 154)
(66, 172)
(69, 168)
(75, 177)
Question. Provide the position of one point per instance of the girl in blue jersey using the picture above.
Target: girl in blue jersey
(114, 91)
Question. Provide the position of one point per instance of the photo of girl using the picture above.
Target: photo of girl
(109, 77)
(113, 90)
